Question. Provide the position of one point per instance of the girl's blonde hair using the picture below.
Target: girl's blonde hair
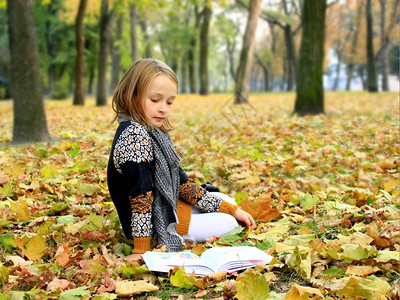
(130, 92)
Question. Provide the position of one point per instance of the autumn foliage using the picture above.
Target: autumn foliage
(323, 189)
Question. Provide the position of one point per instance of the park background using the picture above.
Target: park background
(322, 181)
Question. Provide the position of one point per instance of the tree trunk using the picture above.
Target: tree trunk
(384, 42)
(230, 47)
(51, 37)
(134, 43)
(204, 48)
(291, 57)
(106, 19)
(290, 51)
(310, 90)
(30, 123)
(183, 84)
(91, 79)
(143, 26)
(371, 71)
(191, 54)
(353, 51)
(246, 55)
(338, 66)
(360, 72)
(79, 94)
(116, 54)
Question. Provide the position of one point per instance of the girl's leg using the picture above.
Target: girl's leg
(205, 225)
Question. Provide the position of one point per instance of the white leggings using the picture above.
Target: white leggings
(205, 225)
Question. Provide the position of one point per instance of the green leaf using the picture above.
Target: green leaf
(134, 271)
(88, 189)
(3, 274)
(353, 253)
(6, 190)
(308, 202)
(231, 236)
(127, 249)
(97, 221)
(240, 196)
(74, 294)
(8, 242)
(252, 285)
(334, 272)
(49, 172)
(67, 219)
(105, 296)
(55, 208)
(74, 151)
(267, 243)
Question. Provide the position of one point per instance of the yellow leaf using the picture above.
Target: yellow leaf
(251, 285)
(36, 248)
(371, 288)
(300, 262)
(126, 288)
(21, 209)
(361, 270)
(298, 292)
(251, 180)
(390, 185)
(182, 279)
(386, 255)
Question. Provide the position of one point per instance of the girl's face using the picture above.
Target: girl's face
(159, 99)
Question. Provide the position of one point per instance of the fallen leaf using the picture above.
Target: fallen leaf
(125, 288)
(58, 284)
(251, 285)
(62, 254)
(298, 292)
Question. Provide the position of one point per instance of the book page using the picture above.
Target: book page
(165, 261)
(235, 258)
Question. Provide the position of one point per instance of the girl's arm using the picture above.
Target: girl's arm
(132, 158)
(195, 195)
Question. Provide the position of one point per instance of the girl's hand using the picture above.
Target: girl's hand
(132, 257)
(245, 218)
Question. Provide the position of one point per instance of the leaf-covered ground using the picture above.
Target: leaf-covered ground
(324, 190)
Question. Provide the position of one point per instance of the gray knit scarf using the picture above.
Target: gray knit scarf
(165, 188)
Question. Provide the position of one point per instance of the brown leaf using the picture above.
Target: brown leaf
(386, 165)
(59, 284)
(94, 235)
(62, 255)
(261, 208)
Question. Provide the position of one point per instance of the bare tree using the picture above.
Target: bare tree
(106, 19)
(116, 52)
(246, 55)
(355, 29)
(371, 71)
(204, 29)
(30, 123)
(79, 94)
(133, 22)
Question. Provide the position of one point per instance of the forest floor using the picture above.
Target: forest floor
(323, 189)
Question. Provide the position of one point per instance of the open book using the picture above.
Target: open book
(215, 259)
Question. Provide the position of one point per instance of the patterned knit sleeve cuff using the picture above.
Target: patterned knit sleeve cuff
(141, 245)
(228, 208)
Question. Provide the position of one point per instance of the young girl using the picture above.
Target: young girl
(152, 194)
